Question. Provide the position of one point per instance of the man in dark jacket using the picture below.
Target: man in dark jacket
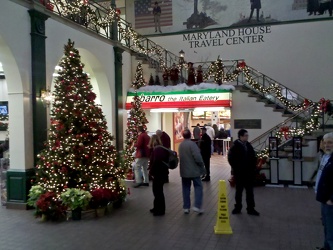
(166, 142)
(205, 151)
(142, 156)
(165, 138)
(242, 160)
(324, 190)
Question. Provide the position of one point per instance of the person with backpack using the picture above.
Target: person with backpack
(158, 171)
(166, 142)
(191, 168)
(205, 143)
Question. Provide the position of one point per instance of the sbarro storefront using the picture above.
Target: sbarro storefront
(174, 108)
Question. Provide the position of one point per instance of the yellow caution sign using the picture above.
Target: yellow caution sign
(222, 222)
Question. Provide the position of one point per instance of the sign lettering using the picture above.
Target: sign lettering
(227, 37)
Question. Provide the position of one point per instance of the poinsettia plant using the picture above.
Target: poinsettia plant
(49, 204)
(75, 198)
(101, 197)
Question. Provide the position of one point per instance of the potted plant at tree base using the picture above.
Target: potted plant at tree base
(101, 197)
(34, 193)
(76, 200)
(48, 206)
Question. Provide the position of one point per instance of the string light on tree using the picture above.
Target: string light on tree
(79, 152)
(139, 81)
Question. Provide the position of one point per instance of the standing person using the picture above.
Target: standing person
(255, 4)
(165, 76)
(174, 74)
(221, 135)
(166, 142)
(324, 190)
(211, 133)
(159, 173)
(191, 75)
(243, 160)
(191, 168)
(164, 137)
(312, 7)
(199, 74)
(157, 17)
(205, 143)
(196, 132)
(142, 155)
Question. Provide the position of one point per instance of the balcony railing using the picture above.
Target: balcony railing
(107, 23)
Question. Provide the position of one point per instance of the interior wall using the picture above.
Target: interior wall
(94, 50)
(155, 121)
(3, 90)
(245, 107)
(296, 55)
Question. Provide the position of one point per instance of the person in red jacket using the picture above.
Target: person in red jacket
(142, 156)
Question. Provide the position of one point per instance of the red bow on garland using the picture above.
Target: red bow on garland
(306, 103)
(241, 64)
(324, 104)
(285, 131)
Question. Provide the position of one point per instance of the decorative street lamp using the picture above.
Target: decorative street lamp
(181, 62)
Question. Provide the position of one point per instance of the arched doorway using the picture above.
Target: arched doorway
(99, 81)
(16, 98)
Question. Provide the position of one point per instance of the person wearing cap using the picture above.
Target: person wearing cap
(191, 75)
(205, 143)
(157, 17)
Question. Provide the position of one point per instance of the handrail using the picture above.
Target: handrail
(99, 19)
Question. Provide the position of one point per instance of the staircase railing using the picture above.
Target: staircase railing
(107, 23)
(283, 130)
(277, 93)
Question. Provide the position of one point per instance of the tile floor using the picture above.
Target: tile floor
(290, 219)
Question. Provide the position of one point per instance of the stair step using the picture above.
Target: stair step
(287, 115)
(309, 137)
(253, 95)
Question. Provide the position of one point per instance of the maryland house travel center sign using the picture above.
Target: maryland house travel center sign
(227, 37)
(182, 99)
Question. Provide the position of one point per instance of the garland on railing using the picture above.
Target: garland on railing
(82, 12)
(287, 132)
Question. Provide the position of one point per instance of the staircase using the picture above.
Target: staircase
(105, 21)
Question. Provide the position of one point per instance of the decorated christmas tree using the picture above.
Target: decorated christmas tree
(151, 80)
(137, 117)
(79, 151)
(139, 81)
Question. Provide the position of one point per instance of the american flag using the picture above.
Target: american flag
(144, 17)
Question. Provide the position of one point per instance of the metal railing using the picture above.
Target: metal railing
(107, 23)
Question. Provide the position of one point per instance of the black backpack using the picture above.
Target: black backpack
(173, 158)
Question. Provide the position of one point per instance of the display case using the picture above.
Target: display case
(297, 148)
(273, 147)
